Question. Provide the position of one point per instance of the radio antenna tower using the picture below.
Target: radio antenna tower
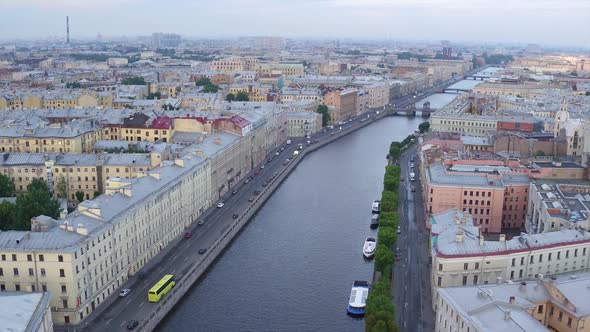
(68, 29)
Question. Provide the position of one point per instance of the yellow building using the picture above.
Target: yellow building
(86, 257)
(58, 138)
(255, 91)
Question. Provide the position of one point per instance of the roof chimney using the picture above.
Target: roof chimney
(512, 300)
(502, 237)
(507, 315)
(481, 240)
(459, 236)
(498, 280)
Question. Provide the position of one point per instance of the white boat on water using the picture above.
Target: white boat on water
(376, 207)
(358, 298)
(369, 247)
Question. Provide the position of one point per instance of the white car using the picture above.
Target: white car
(124, 292)
(399, 229)
(277, 153)
(220, 204)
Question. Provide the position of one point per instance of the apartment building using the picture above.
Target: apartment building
(283, 68)
(504, 89)
(75, 137)
(302, 124)
(554, 206)
(53, 99)
(140, 127)
(291, 95)
(473, 125)
(234, 64)
(491, 193)
(546, 303)
(255, 91)
(462, 257)
(344, 103)
(84, 259)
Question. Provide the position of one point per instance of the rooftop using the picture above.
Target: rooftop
(21, 311)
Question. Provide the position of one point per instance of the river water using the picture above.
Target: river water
(292, 267)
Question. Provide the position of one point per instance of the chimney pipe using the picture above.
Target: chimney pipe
(512, 300)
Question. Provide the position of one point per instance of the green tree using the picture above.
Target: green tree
(203, 81)
(424, 126)
(155, 95)
(210, 88)
(35, 202)
(7, 210)
(383, 257)
(80, 196)
(7, 188)
(73, 85)
(387, 236)
(394, 152)
(62, 188)
(242, 96)
(323, 110)
(133, 80)
(539, 153)
(96, 193)
(230, 97)
(587, 93)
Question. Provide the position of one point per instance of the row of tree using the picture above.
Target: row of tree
(323, 110)
(208, 87)
(240, 96)
(133, 80)
(379, 311)
(35, 202)
(396, 148)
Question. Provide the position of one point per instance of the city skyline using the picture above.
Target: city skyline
(545, 22)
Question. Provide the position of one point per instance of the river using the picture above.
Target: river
(292, 267)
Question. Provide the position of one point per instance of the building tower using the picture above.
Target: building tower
(68, 30)
(561, 117)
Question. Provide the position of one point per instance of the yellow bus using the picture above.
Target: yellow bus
(161, 288)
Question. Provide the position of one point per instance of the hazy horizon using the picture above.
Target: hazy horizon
(520, 22)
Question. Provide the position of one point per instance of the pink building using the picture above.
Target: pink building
(490, 193)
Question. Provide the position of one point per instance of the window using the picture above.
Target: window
(475, 280)
(439, 281)
(576, 253)
(558, 254)
(65, 303)
(44, 287)
(1, 272)
(17, 287)
(513, 261)
(41, 258)
(511, 275)
(551, 311)
(31, 272)
(29, 258)
(63, 289)
(15, 270)
(62, 273)
(42, 272)
(569, 322)
(466, 266)
(540, 309)
(560, 317)
(549, 257)
(3, 257)
(14, 257)
(440, 267)
(476, 266)
(60, 258)
(2, 287)
(540, 258)
(532, 259)
(567, 254)
(464, 280)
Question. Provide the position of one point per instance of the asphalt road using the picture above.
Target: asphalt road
(411, 275)
(181, 255)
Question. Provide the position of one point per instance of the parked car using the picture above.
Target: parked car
(399, 230)
(220, 205)
(264, 184)
(235, 216)
(401, 178)
(187, 235)
(261, 166)
(132, 324)
(201, 222)
(251, 199)
(268, 160)
(256, 192)
(277, 153)
(413, 188)
(124, 292)
(235, 191)
(247, 180)
(256, 172)
(202, 251)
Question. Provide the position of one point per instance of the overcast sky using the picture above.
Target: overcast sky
(560, 22)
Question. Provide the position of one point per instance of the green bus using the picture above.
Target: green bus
(161, 288)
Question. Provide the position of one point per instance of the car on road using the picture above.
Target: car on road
(399, 230)
(202, 251)
(235, 216)
(268, 160)
(412, 165)
(220, 205)
(261, 166)
(282, 148)
(247, 180)
(256, 192)
(256, 172)
(412, 159)
(124, 292)
(187, 235)
(413, 188)
(401, 178)
(235, 191)
(132, 324)
(201, 222)
(277, 153)
(286, 161)
(264, 184)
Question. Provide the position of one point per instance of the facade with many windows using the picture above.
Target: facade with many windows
(83, 259)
